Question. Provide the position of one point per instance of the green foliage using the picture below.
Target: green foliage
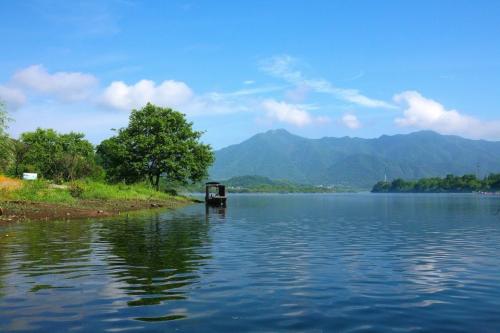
(120, 191)
(493, 182)
(3, 119)
(448, 184)
(60, 157)
(41, 191)
(44, 191)
(6, 152)
(259, 184)
(76, 190)
(158, 142)
(381, 187)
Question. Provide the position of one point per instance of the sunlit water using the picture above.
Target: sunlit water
(268, 263)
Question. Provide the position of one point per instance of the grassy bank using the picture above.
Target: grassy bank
(43, 200)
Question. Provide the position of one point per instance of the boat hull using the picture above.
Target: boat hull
(216, 201)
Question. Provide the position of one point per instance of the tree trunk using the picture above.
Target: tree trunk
(157, 182)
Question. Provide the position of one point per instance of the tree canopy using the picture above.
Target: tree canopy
(5, 141)
(158, 142)
(60, 157)
(450, 184)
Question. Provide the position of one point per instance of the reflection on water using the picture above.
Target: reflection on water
(267, 262)
(155, 259)
(55, 270)
(215, 212)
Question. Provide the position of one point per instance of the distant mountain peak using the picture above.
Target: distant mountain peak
(279, 154)
(274, 134)
(278, 131)
(425, 133)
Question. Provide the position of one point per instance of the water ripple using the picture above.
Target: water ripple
(268, 263)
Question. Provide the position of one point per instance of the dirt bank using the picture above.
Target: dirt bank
(13, 211)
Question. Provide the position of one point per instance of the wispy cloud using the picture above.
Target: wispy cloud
(357, 76)
(248, 91)
(424, 113)
(295, 114)
(284, 67)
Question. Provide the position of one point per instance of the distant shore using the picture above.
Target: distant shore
(449, 184)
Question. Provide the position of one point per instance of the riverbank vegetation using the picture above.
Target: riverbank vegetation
(73, 192)
(42, 199)
(261, 184)
(159, 147)
(448, 184)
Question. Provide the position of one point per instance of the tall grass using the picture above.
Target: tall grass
(102, 191)
(43, 191)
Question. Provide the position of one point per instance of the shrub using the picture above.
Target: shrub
(76, 190)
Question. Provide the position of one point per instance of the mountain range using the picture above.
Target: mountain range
(356, 162)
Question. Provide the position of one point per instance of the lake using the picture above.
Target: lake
(267, 263)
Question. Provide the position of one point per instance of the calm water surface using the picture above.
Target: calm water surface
(268, 263)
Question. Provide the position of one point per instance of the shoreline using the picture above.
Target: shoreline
(23, 210)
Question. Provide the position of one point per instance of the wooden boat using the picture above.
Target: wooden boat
(215, 194)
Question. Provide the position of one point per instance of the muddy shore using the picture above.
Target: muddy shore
(15, 211)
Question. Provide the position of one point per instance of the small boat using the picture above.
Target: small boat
(215, 194)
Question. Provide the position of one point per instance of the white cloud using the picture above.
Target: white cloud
(294, 114)
(67, 86)
(169, 93)
(284, 68)
(424, 113)
(287, 113)
(13, 98)
(178, 95)
(351, 121)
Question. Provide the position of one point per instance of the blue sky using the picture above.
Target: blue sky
(236, 68)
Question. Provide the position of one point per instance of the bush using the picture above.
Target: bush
(59, 157)
(171, 191)
(76, 190)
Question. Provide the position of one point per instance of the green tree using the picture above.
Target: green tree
(450, 184)
(60, 157)
(492, 182)
(158, 142)
(5, 141)
(381, 186)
